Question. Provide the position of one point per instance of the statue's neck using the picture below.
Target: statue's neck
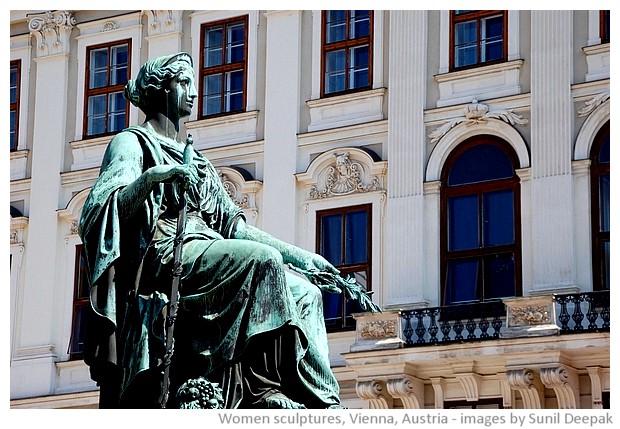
(162, 125)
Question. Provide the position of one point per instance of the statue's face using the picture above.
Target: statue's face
(182, 92)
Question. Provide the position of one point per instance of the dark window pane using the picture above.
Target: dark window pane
(462, 281)
(360, 24)
(119, 66)
(603, 154)
(465, 44)
(492, 38)
(335, 71)
(13, 123)
(499, 276)
(98, 68)
(96, 114)
(335, 26)
(605, 265)
(604, 207)
(117, 105)
(235, 49)
(13, 96)
(331, 238)
(359, 67)
(332, 308)
(355, 238)
(234, 91)
(213, 94)
(463, 223)
(214, 38)
(498, 218)
(79, 329)
(480, 163)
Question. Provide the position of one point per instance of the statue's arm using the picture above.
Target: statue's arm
(126, 148)
(290, 254)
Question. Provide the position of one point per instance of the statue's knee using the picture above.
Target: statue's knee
(263, 254)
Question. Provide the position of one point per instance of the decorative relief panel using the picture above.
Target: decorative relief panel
(378, 329)
(593, 103)
(343, 172)
(243, 192)
(477, 113)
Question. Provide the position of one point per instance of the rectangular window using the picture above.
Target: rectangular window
(344, 239)
(80, 305)
(223, 67)
(604, 20)
(347, 51)
(107, 72)
(477, 37)
(14, 101)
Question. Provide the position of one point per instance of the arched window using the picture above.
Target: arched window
(480, 223)
(600, 209)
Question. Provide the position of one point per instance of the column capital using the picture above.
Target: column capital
(51, 30)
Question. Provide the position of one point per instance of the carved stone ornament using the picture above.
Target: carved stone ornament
(163, 21)
(593, 103)
(530, 315)
(52, 30)
(14, 236)
(109, 26)
(242, 201)
(344, 177)
(377, 329)
(477, 113)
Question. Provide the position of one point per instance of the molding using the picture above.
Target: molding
(242, 192)
(51, 31)
(524, 381)
(409, 389)
(477, 113)
(347, 109)
(596, 377)
(565, 383)
(439, 389)
(375, 392)
(471, 383)
(594, 122)
(508, 396)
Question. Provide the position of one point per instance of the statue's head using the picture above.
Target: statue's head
(147, 91)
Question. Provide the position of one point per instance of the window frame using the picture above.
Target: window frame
(15, 106)
(80, 284)
(513, 183)
(346, 321)
(477, 15)
(224, 67)
(598, 237)
(105, 90)
(346, 44)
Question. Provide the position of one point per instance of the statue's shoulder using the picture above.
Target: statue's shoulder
(126, 141)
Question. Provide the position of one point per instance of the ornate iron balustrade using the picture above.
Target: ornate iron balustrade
(583, 312)
(575, 313)
(453, 324)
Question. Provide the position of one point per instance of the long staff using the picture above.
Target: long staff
(176, 275)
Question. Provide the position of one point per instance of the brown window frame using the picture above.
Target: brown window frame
(104, 90)
(81, 299)
(604, 26)
(223, 68)
(477, 15)
(346, 44)
(15, 106)
(347, 322)
(599, 237)
(479, 189)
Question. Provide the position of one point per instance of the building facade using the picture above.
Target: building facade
(456, 163)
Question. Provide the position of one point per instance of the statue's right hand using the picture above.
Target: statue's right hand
(172, 173)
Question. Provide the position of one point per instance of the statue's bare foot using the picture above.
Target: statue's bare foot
(281, 401)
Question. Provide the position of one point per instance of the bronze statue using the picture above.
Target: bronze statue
(244, 323)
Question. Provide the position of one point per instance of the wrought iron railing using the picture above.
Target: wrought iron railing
(575, 313)
(454, 323)
(583, 312)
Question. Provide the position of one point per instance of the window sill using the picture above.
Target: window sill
(598, 61)
(88, 153)
(19, 161)
(485, 82)
(73, 376)
(347, 109)
(223, 130)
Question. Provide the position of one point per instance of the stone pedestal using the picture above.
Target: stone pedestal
(377, 331)
(530, 317)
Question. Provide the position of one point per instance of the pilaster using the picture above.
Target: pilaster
(283, 59)
(551, 147)
(406, 152)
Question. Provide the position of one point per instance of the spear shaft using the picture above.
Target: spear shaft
(177, 270)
